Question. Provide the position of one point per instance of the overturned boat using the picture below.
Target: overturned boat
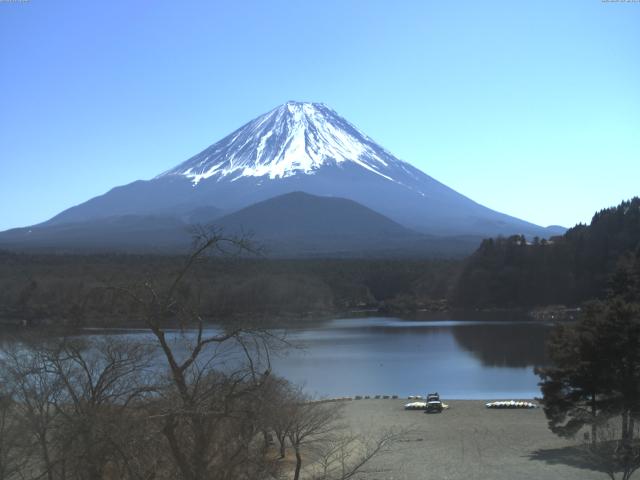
(511, 404)
(416, 406)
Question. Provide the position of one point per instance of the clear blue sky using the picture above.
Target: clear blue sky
(531, 108)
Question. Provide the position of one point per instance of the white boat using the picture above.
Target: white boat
(511, 404)
(421, 406)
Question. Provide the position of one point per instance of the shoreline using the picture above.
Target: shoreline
(397, 398)
(293, 321)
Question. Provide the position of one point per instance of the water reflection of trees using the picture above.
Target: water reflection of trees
(504, 345)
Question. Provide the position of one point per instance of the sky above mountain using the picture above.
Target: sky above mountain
(528, 108)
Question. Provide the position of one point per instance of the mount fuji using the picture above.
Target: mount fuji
(296, 147)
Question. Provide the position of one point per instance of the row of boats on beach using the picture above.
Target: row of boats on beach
(433, 403)
(511, 404)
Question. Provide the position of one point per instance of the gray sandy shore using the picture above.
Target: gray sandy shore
(468, 442)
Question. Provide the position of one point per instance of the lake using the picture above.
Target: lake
(460, 359)
(390, 356)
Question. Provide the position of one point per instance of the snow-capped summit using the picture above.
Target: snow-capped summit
(294, 138)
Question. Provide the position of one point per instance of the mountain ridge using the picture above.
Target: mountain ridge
(295, 224)
(302, 147)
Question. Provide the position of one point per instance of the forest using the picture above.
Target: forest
(504, 273)
(80, 290)
(567, 270)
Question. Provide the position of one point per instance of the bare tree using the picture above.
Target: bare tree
(100, 380)
(346, 456)
(317, 434)
(75, 398)
(14, 445)
(312, 425)
(209, 414)
(195, 403)
(36, 393)
(278, 404)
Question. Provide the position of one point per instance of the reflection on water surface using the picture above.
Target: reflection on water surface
(460, 359)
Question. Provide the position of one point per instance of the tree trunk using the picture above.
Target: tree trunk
(169, 432)
(625, 429)
(594, 428)
(627, 441)
(199, 449)
(296, 475)
(46, 457)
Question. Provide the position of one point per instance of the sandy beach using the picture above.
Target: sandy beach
(468, 442)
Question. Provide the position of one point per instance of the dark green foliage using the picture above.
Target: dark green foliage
(79, 289)
(625, 282)
(594, 377)
(513, 272)
(590, 359)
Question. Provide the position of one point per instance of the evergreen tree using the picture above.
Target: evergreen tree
(576, 388)
(568, 269)
(594, 380)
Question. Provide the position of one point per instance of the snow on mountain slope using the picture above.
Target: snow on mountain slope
(294, 138)
(302, 147)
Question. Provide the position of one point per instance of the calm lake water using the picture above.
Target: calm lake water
(391, 356)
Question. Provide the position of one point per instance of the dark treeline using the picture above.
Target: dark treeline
(505, 273)
(512, 272)
(77, 290)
